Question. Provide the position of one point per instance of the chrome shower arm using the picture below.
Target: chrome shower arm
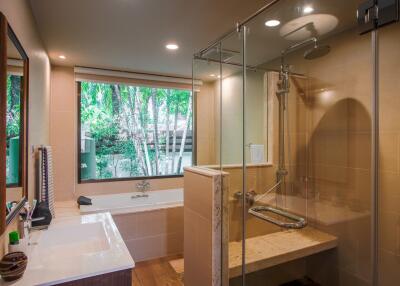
(298, 45)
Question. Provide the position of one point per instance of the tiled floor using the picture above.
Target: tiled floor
(157, 272)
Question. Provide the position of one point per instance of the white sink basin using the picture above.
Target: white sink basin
(90, 236)
(74, 248)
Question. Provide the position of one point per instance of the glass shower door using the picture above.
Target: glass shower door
(307, 122)
(389, 143)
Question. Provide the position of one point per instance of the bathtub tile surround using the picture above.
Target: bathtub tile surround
(202, 227)
(152, 234)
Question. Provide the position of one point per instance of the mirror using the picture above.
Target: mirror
(14, 73)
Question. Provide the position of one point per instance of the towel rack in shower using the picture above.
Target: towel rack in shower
(298, 222)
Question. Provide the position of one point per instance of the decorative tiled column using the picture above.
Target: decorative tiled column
(203, 235)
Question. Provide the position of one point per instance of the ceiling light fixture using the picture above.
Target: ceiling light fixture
(272, 23)
(212, 75)
(172, 46)
(62, 57)
(308, 9)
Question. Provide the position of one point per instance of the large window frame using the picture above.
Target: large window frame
(135, 178)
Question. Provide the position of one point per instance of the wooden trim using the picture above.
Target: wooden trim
(78, 102)
(136, 78)
(7, 31)
(118, 278)
(194, 127)
(3, 121)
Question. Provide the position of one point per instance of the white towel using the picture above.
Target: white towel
(257, 153)
(46, 177)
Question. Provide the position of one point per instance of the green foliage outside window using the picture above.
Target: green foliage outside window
(13, 128)
(134, 131)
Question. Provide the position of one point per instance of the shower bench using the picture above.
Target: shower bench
(277, 248)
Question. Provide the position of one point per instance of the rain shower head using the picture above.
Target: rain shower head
(316, 52)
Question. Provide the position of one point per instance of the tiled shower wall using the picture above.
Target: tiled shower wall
(330, 138)
(338, 135)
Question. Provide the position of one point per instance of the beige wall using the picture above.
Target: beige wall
(19, 15)
(209, 117)
(205, 125)
(63, 139)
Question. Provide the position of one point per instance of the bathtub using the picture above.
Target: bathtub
(151, 227)
(126, 203)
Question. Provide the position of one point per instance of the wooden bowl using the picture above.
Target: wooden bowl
(13, 265)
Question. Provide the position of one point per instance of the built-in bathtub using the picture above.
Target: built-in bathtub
(133, 202)
(151, 227)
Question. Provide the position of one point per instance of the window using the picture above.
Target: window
(129, 131)
(13, 122)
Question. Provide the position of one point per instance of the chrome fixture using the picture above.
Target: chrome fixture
(282, 94)
(250, 197)
(142, 187)
(283, 91)
(257, 211)
(26, 223)
(298, 222)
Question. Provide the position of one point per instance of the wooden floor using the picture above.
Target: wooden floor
(157, 272)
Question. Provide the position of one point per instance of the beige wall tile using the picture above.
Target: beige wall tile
(197, 196)
(140, 230)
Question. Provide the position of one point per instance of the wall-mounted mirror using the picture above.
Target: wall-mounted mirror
(14, 98)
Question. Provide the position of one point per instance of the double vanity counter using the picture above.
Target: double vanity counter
(77, 250)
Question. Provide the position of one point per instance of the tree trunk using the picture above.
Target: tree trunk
(115, 98)
(167, 134)
(133, 131)
(174, 135)
(138, 136)
(15, 91)
(133, 128)
(155, 120)
(142, 130)
(187, 123)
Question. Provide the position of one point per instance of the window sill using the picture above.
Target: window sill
(128, 179)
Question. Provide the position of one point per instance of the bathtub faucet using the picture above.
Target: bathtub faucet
(142, 187)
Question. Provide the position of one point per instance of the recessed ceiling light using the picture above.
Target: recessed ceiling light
(308, 9)
(62, 57)
(212, 75)
(172, 46)
(272, 23)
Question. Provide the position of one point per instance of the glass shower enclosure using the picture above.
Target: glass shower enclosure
(298, 106)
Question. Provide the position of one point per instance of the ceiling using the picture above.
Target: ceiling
(131, 35)
(265, 44)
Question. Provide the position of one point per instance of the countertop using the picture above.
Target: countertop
(73, 248)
